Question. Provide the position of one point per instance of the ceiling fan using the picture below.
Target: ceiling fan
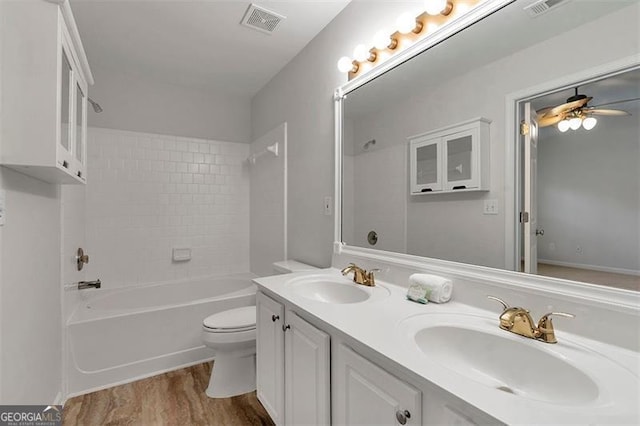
(576, 112)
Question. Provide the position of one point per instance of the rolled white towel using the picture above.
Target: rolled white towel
(441, 288)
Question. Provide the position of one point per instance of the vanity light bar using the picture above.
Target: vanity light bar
(409, 30)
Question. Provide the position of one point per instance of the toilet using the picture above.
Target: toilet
(232, 336)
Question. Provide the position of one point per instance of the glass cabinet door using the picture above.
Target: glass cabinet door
(80, 141)
(461, 157)
(425, 166)
(66, 131)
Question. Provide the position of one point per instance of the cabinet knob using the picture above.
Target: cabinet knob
(275, 317)
(402, 416)
(285, 327)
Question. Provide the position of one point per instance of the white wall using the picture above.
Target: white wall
(147, 194)
(301, 95)
(268, 202)
(140, 104)
(589, 195)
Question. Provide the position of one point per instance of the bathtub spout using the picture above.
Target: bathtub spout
(82, 285)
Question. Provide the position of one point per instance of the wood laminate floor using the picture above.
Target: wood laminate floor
(174, 398)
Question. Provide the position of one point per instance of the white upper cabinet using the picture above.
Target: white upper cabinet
(455, 158)
(45, 79)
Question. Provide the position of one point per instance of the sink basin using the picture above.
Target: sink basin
(337, 290)
(507, 364)
(475, 348)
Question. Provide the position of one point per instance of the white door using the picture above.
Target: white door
(270, 356)
(365, 394)
(530, 190)
(307, 375)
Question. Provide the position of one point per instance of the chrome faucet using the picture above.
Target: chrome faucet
(82, 285)
(518, 320)
(361, 276)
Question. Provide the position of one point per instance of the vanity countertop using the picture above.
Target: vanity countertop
(380, 323)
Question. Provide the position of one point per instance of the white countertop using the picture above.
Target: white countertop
(376, 324)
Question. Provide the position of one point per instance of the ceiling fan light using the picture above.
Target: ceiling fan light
(589, 123)
(575, 123)
(563, 126)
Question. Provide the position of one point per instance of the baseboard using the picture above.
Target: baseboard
(590, 267)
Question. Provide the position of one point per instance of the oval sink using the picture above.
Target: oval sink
(477, 349)
(507, 364)
(334, 290)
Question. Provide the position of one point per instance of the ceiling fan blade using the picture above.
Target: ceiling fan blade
(617, 102)
(543, 111)
(550, 121)
(569, 106)
(609, 112)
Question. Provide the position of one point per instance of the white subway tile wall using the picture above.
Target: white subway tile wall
(147, 194)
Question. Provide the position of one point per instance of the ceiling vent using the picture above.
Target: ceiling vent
(542, 6)
(261, 19)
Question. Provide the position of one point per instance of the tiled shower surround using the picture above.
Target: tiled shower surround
(147, 194)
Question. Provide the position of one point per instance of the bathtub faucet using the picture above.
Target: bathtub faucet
(82, 285)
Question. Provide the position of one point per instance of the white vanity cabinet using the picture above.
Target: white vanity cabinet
(365, 394)
(293, 366)
(454, 158)
(45, 81)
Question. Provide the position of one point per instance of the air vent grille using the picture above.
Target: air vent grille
(542, 6)
(261, 19)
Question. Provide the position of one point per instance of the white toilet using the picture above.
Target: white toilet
(232, 335)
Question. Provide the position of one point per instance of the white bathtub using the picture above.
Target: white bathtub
(117, 336)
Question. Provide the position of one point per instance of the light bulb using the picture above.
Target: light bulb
(406, 23)
(434, 7)
(589, 123)
(361, 53)
(563, 126)
(345, 64)
(381, 39)
(575, 123)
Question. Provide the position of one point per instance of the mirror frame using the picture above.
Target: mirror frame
(512, 153)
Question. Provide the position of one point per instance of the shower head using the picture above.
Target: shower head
(96, 106)
(368, 144)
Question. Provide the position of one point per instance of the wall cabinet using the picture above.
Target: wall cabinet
(455, 158)
(292, 372)
(45, 83)
(365, 394)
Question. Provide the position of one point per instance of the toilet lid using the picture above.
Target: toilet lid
(238, 319)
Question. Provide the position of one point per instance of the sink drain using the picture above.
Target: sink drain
(506, 389)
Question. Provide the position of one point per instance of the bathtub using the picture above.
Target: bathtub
(121, 335)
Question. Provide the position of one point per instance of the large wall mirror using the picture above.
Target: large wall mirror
(585, 186)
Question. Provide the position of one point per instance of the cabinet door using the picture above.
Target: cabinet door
(65, 110)
(461, 159)
(307, 375)
(270, 356)
(365, 394)
(80, 128)
(426, 160)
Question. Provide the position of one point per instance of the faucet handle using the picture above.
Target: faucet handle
(545, 330)
(497, 299)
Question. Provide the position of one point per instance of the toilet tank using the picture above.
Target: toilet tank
(289, 266)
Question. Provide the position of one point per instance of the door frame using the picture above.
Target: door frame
(513, 151)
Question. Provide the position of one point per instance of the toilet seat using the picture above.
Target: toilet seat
(231, 321)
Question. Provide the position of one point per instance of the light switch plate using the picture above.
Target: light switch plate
(328, 201)
(490, 207)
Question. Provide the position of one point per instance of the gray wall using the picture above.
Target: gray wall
(140, 104)
(301, 95)
(589, 195)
